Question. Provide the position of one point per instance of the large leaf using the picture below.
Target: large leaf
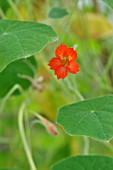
(109, 2)
(85, 163)
(93, 118)
(20, 39)
(10, 75)
(57, 12)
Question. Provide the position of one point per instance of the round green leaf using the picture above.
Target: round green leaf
(93, 118)
(19, 39)
(10, 75)
(57, 12)
(85, 163)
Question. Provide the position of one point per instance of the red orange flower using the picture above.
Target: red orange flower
(64, 61)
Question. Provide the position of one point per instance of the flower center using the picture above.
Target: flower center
(65, 61)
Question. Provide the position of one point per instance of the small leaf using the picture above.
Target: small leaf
(93, 118)
(10, 75)
(109, 2)
(85, 163)
(20, 39)
(57, 12)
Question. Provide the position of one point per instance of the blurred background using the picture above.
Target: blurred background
(87, 24)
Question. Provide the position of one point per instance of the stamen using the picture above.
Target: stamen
(65, 61)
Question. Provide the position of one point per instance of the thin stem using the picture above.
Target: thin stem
(76, 91)
(15, 9)
(86, 145)
(31, 66)
(109, 7)
(108, 65)
(108, 145)
(85, 138)
(29, 6)
(27, 125)
(23, 137)
(36, 122)
(2, 14)
(74, 88)
(78, 94)
(12, 90)
(67, 22)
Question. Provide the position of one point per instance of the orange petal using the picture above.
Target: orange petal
(60, 50)
(71, 53)
(73, 67)
(61, 72)
(55, 63)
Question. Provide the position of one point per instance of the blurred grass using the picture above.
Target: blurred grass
(83, 26)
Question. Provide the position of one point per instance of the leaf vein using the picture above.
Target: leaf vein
(100, 124)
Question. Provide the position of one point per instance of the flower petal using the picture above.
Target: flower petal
(73, 67)
(55, 63)
(71, 53)
(60, 50)
(61, 72)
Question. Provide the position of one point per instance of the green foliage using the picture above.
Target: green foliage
(20, 39)
(57, 12)
(4, 5)
(10, 169)
(11, 74)
(85, 162)
(90, 117)
(109, 2)
(93, 118)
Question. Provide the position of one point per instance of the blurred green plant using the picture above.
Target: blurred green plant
(93, 34)
(57, 12)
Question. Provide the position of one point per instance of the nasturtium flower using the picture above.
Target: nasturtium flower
(64, 61)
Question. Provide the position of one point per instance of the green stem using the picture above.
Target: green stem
(15, 9)
(2, 14)
(109, 146)
(12, 90)
(85, 138)
(74, 88)
(86, 145)
(23, 137)
(76, 92)
(29, 7)
(108, 66)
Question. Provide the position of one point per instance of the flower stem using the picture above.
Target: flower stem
(11, 91)
(15, 9)
(23, 137)
(76, 92)
(86, 145)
